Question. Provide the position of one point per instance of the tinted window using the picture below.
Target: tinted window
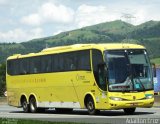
(97, 60)
(55, 63)
(35, 65)
(24, 66)
(83, 60)
(13, 67)
(46, 64)
(71, 61)
(9, 67)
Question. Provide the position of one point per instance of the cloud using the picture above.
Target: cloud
(61, 15)
(54, 13)
(55, 16)
(19, 35)
(3, 2)
(32, 19)
(146, 13)
(49, 13)
(89, 15)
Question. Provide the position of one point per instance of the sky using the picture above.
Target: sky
(23, 20)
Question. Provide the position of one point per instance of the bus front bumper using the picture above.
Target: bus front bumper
(147, 103)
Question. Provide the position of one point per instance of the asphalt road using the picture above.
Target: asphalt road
(147, 115)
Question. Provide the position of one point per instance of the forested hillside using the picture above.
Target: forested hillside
(147, 34)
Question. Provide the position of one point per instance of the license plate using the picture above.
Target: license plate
(133, 104)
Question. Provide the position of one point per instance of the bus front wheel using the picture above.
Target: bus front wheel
(129, 111)
(90, 106)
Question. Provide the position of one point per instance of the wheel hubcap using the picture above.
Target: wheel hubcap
(32, 106)
(25, 106)
(90, 106)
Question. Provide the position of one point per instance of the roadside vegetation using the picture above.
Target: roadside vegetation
(24, 121)
(156, 61)
(2, 79)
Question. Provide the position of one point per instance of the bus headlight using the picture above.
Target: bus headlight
(150, 96)
(116, 98)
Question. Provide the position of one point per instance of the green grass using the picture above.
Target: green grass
(156, 61)
(24, 121)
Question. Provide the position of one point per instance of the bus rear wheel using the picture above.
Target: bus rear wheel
(33, 105)
(91, 107)
(25, 106)
(129, 111)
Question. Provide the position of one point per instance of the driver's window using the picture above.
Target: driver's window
(98, 69)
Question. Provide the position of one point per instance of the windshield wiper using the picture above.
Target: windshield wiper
(127, 85)
(139, 81)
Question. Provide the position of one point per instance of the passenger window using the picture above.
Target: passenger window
(46, 64)
(24, 66)
(35, 65)
(83, 60)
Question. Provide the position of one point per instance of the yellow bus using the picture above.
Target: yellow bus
(92, 76)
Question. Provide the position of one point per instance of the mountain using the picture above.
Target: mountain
(147, 34)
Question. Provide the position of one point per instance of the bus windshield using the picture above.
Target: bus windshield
(128, 70)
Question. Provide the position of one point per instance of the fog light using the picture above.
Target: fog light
(116, 98)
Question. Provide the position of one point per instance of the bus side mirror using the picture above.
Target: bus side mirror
(154, 69)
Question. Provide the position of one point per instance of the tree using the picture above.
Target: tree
(2, 78)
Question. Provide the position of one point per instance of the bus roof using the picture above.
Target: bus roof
(75, 47)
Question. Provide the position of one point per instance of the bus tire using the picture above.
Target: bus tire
(129, 111)
(33, 105)
(25, 105)
(91, 107)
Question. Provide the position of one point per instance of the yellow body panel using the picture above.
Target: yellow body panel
(56, 89)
